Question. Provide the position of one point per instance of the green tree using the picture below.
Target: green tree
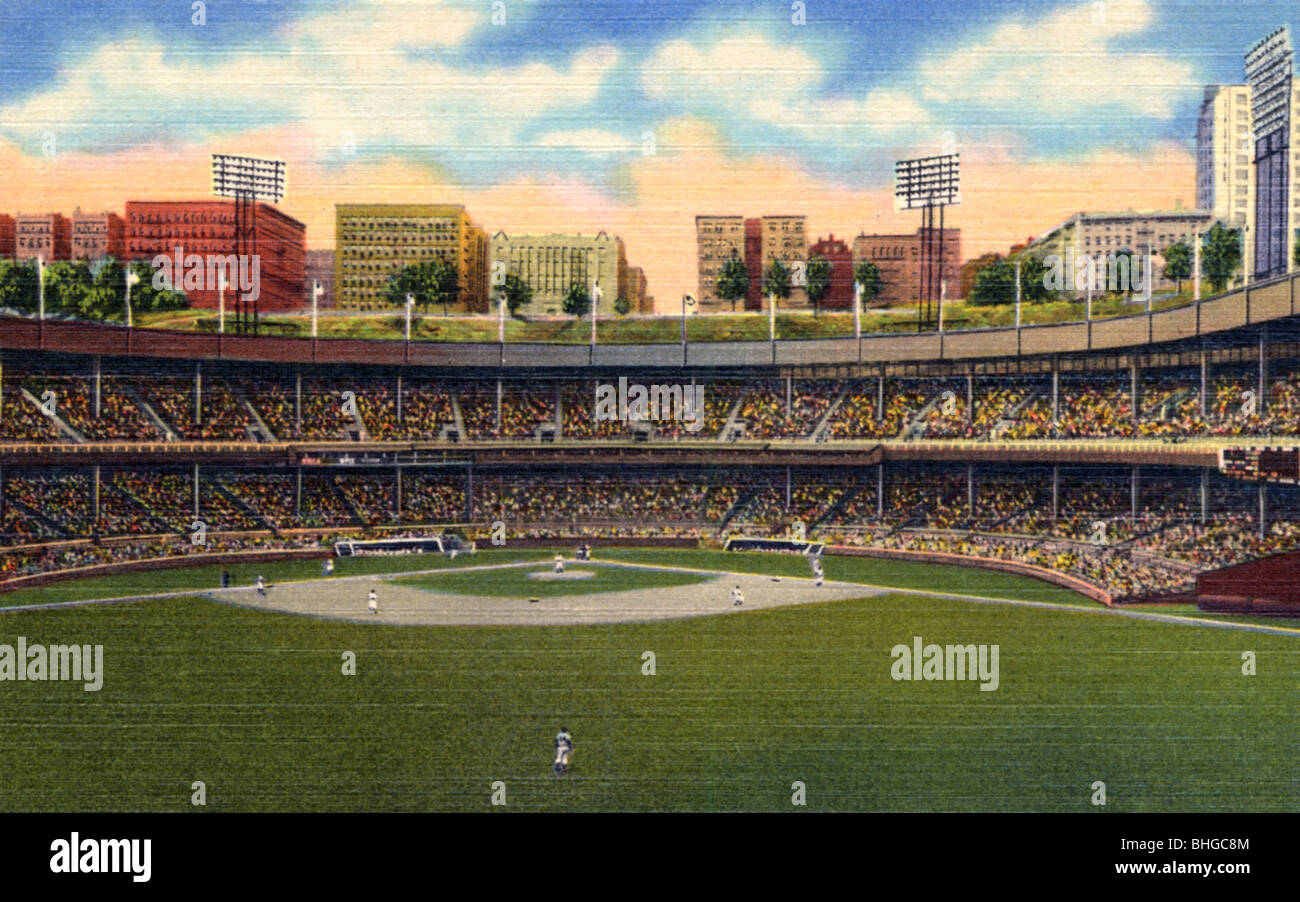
(1220, 255)
(733, 280)
(519, 294)
(995, 284)
(429, 283)
(66, 285)
(776, 281)
(819, 281)
(622, 306)
(145, 296)
(18, 285)
(1178, 263)
(867, 274)
(1296, 256)
(1033, 280)
(577, 301)
(444, 284)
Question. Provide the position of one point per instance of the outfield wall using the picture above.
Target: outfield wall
(1096, 593)
(1243, 307)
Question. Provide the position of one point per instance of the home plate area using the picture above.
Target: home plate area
(567, 574)
(399, 603)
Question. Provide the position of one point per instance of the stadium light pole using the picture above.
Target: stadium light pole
(221, 304)
(771, 317)
(686, 299)
(316, 292)
(40, 286)
(857, 310)
(1018, 296)
(1148, 278)
(410, 304)
(943, 296)
(1196, 268)
(595, 305)
(131, 278)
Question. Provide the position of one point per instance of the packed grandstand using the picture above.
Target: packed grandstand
(1105, 466)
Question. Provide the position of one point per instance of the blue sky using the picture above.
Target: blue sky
(604, 103)
(858, 48)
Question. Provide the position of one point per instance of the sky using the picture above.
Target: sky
(630, 116)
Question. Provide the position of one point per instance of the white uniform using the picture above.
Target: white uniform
(374, 602)
(817, 570)
(563, 750)
(737, 598)
(261, 586)
(329, 566)
(559, 563)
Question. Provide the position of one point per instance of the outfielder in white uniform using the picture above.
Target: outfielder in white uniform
(261, 585)
(559, 563)
(374, 602)
(563, 751)
(817, 571)
(737, 597)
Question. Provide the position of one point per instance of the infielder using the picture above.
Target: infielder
(559, 564)
(374, 601)
(261, 585)
(817, 571)
(737, 597)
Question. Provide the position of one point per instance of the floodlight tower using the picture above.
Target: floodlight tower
(923, 184)
(247, 180)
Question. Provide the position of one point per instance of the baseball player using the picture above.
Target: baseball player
(374, 601)
(261, 585)
(737, 597)
(818, 574)
(559, 564)
(563, 750)
(328, 566)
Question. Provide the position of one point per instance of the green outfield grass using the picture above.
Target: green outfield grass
(181, 579)
(255, 706)
(517, 583)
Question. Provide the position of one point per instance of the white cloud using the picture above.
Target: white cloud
(367, 73)
(1062, 63)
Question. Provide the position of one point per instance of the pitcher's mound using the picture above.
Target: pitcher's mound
(567, 574)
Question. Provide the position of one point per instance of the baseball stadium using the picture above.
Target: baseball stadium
(1111, 507)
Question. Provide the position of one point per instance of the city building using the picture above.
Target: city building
(754, 263)
(783, 239)
(640, 288)
(207, 228)
(96, 235)
(45, 235)
(1225, 161)
(550, 264)
(6, 236)
(840, 256)
(373, 242)
(898, 257)
(1099, 235)
(1275, 115)
(320, 268)
(717, 238)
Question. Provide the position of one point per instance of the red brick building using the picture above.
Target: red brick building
(6, 236)
(207, 228)
(840, 256)
(96, 235)
(46, 235)
(898, 257)
(754, 263)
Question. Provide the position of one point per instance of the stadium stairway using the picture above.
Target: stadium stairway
(819, 433)
(150, 414)
(54, 417)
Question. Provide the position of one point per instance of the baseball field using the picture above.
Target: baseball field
(677, 699)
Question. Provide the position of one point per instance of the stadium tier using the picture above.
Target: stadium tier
(1106, 465)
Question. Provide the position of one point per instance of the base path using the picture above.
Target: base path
(403, 604)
